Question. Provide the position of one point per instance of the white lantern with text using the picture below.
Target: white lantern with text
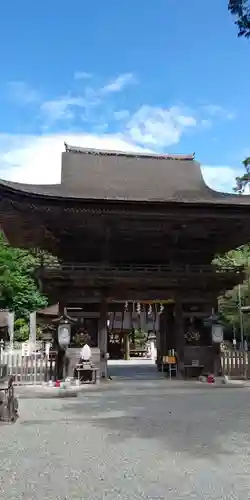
(217, 334)
(64, 330)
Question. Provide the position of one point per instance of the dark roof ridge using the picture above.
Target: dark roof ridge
(128, 154)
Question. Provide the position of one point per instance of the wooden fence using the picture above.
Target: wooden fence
(235, 364)
(28, 369)
(37, 369)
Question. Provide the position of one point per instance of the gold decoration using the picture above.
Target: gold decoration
(192, 336)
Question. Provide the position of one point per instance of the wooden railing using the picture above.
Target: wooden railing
(139, 269)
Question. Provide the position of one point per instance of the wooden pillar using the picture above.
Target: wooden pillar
(126, 346)
(61, 354)
(103, 338)
(170, 329)
(216, 346)
(161, 345)
(179, 336)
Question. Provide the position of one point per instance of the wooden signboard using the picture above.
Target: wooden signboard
(169, 360)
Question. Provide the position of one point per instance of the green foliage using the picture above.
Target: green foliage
(230, 303)
(21, 330)
(234, 258)
(82, 339)
(139, 338)
(241, 10)
(19, 291)
(43, 258)
(243, 181)
(230, 308)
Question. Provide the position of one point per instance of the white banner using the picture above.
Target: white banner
(32, 335)
(120, 320)
(26, 351)
(11, 319)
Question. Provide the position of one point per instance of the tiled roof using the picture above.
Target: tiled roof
(116, 176)
(49, 311)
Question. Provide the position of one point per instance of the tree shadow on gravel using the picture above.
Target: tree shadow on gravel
(44, 422)
(209, 423)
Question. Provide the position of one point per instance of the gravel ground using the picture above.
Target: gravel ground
(140, 438)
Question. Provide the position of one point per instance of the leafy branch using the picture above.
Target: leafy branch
(241, 10)
(243, 181)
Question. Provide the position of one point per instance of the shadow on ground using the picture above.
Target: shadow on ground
(140, 403)
(133, 370)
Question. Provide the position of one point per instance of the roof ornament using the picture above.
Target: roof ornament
(104, 152)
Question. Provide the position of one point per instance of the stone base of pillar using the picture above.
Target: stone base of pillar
(103, 367)
(181, 371)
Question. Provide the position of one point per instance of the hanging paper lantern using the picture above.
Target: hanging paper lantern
(126, 306)
(63, 333)
(150, 310)
(138, 308)
(161, 308)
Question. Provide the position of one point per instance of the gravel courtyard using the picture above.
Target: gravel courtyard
(139, 437)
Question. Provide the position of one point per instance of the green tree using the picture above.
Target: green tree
(243, 181)
(19, 290)
(241, 10)
(234, 258)
(232, 300)
(21, 333)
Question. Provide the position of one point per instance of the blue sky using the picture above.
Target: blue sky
(166, 76)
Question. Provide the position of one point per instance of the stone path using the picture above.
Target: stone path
(140, 437)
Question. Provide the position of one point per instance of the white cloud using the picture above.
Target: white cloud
(217, 111)
(119, 83)
(221, 178)
(65, 107)
(23, 93)
(81, 75)
(157, 127)
(61, 108)
(121, 115)
(36, 159)
(205, 123)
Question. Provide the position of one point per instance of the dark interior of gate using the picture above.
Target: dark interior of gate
(131, 229)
